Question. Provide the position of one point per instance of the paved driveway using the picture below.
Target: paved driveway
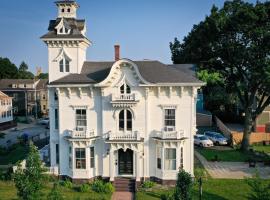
(232, 170)
(30, 129)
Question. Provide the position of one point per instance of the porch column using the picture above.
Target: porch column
(137, 154)
(112, 165)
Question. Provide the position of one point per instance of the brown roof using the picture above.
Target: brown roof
(7, 83)
(42, 84)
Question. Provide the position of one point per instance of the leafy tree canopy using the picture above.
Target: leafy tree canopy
(43, 76)
(23, 67)
(234, 41)
(7, 69)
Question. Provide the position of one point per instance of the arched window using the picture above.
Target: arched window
(125, 89)
(125, 120)
(64, 65)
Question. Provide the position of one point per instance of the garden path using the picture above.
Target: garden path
(122, 196)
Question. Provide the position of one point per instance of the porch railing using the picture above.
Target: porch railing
(124, 97)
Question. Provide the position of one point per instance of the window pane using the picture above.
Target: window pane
(61, 64)
(67, 65)
(122, 89)
(121, 120)
(127, 89)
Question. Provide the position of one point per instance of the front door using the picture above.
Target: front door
(125, 162)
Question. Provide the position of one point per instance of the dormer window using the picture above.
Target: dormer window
(64, 65)
(125, 89)
(63, 27)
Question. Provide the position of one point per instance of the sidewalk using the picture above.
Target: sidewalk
(122, 196)
(232, 170)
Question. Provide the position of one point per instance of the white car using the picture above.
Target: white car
(202, 141)
(44, 121)
(217, 138)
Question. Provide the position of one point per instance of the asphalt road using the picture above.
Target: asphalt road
(29, 129)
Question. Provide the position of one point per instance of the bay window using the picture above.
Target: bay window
(80, 158)
(170, 159)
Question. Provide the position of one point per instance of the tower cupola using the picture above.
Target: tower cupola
(67, 8)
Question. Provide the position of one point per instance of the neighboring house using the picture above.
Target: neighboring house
(26, 95)
(6, 114)
(120, 118)
(262, 123)
(42, 94)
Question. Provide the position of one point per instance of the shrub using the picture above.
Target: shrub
(183, 186)
(166, 196)
(100, 187)
(84, 188)
(260, 190)
(148, 184)
(55, 194)
(108, 188)
(67, 184)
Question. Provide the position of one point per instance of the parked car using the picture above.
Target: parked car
(44, 121)
(217, 138)
(202, 141)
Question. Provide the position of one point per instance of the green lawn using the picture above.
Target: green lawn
(261, 148)
(213, 189)
(17, 153)
(8, 192)
(228, 155)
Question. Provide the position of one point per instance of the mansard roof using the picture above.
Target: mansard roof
(76, 26)
(153, 72)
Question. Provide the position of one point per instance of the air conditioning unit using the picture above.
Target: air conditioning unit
(80, 128)
(169, 128)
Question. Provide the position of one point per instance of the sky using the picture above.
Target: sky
(143, 28)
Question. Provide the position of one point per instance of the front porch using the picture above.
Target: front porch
(125, 160)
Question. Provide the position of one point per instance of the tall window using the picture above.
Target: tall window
(81, 119)
(169, 119)
(159, 154)
(57, 153)
(181, 158)
(70, 157)
(80, 158)
(92, 157)
(56, 121)
(170, 159)
(64, 65)
(125, 120)
(125, 89)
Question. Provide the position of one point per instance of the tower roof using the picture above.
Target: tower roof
(67, 2)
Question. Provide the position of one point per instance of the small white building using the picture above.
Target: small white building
(6, 114)
(121, 118)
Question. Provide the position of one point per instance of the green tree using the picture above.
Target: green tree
(43, 76)
(29, 180)
(234, 41)
(23, 67)
(55, 193)
(183, 186)
(7, 69)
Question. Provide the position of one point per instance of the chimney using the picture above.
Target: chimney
(116, 52)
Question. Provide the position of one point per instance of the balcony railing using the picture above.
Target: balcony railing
(170, 134)
(124, 100)
(82, 134)
(135, 136)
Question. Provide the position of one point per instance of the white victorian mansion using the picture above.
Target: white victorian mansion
(119, 118)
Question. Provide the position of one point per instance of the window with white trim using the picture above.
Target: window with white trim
(64, 65)
(159, 156)
(125, 89)
(92, 157)
(169, 120)
(170, 159)
(181, 158)
(81, 121)
(125, 120)
(80, 158)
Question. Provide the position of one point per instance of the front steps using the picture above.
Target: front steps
(124, 184)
